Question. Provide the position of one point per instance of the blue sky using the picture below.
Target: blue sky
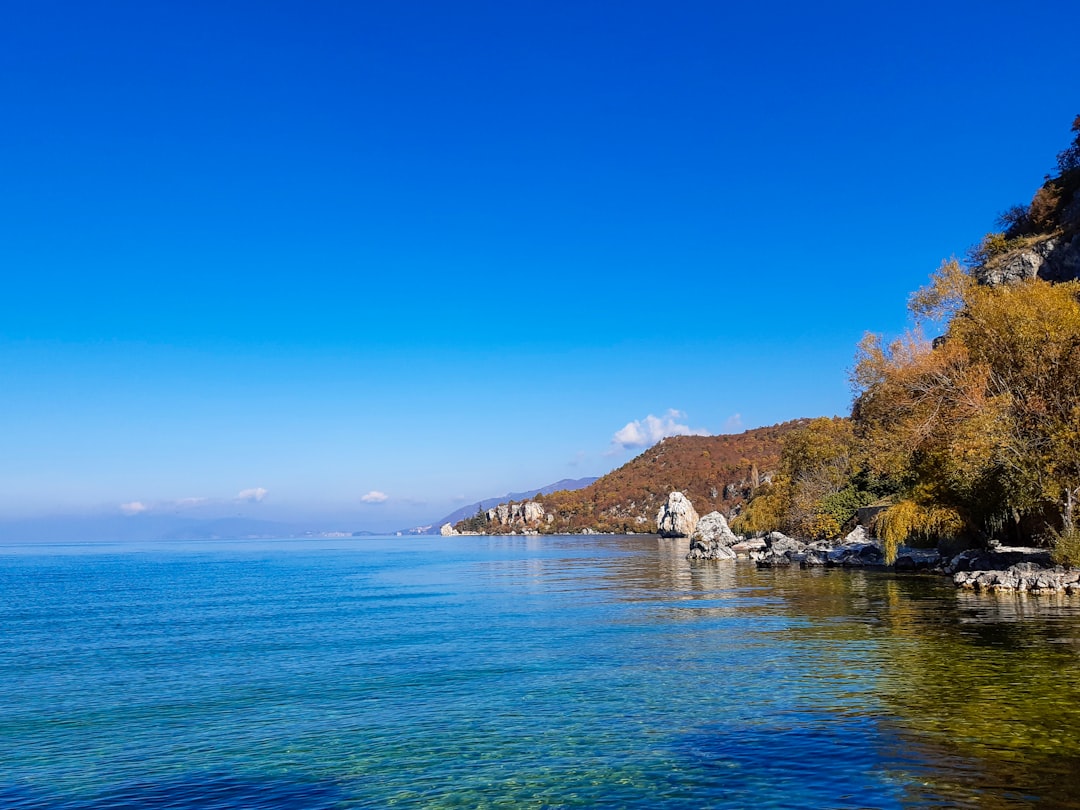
(439, 251)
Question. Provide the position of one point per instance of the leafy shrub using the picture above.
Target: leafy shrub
(1065, 546)
(821, 526)
(1046, 207)
(992, 245)
(841, 506)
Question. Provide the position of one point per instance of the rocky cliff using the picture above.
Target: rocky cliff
(1051, 258)
(527, 517)
(1040, 239)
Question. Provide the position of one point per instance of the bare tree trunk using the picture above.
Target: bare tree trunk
(1068, 524)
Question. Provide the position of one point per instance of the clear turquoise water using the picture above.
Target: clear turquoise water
(518, 672)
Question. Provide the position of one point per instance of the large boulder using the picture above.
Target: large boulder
(714, 529)
(712, 539)
(676, 517)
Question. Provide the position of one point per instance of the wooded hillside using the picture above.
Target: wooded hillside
(715, 472)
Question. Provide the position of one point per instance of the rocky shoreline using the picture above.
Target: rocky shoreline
(997, 570)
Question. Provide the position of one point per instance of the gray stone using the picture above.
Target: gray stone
(746, 547)
(702, 551)
(998, 559)
(1025, 576)
(917, 559)
(779, 550)
(713, 528)
(814, 558)
(712, 539)
(857, 555)
(1051, 259)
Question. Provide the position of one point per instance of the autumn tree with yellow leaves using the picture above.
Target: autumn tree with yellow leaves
(975, 433)
(982, 426)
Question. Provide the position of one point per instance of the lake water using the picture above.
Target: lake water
(519, 672)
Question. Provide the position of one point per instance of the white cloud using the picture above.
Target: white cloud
(651, 429)
(252, 495)
(133, 508)
(184, 503)
(374, 497)
(734, 423)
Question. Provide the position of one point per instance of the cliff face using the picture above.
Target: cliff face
(716, 473)
(527, 517)
(1051, 258)
(1041, 239)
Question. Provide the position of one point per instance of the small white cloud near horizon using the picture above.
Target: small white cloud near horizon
(648, 431)
(251, 495)
(133, 508)
(734, 423)
(184, 503)
(375, 497)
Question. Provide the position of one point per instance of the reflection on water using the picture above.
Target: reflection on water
(474, 672)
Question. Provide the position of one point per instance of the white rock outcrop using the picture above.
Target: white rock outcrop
(676, 517)
(447, 530)
(525, 515)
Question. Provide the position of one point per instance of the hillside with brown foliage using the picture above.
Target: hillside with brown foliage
(715, 472)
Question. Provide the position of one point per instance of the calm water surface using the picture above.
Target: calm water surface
(519, 672)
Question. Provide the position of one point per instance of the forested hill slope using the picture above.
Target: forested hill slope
(715, 472)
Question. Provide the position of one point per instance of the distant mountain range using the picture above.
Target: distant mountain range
(568, 484)
(115, 528)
